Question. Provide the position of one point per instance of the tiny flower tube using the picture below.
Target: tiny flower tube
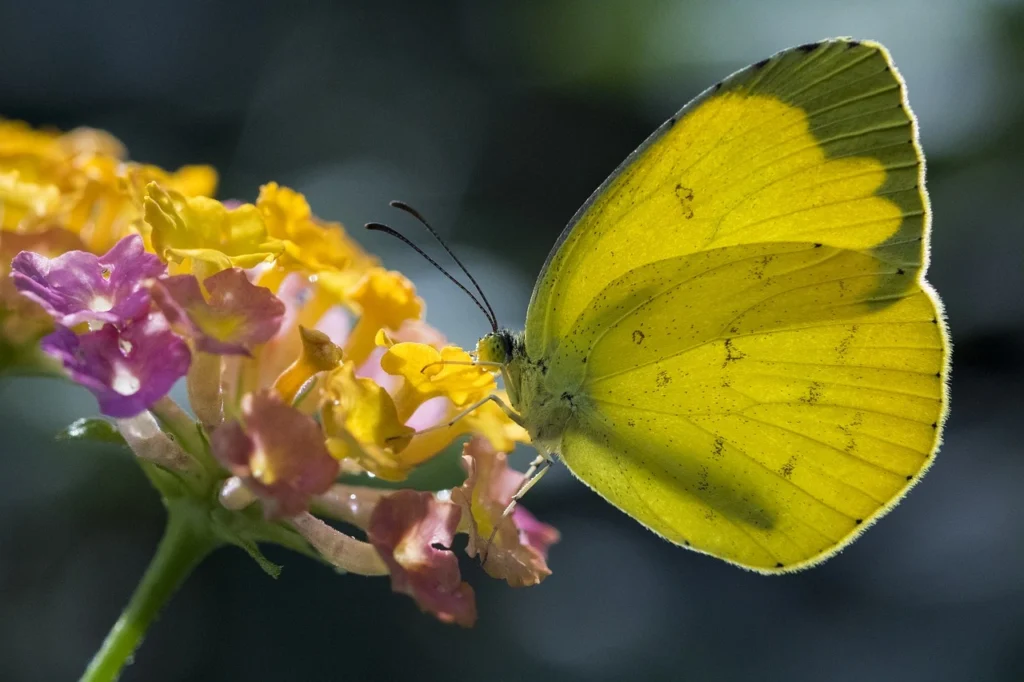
(338, 549)
(78, 287)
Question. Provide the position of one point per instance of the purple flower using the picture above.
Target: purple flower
(78, 287)
(126, 370)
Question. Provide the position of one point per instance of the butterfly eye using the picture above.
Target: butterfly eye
(506, 344)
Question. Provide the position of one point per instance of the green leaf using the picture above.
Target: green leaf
(92, 429)
(253, 550)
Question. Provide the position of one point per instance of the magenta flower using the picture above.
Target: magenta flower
(78, 287)
(237, 316)
(127, 370)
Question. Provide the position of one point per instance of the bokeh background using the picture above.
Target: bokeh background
(497, 120)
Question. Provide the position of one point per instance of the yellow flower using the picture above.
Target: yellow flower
(310, 245)
(318, 354)
(20, 200)
(362, 424)
(201, 233)
(383, 299)
(79, 181)
(429, 373)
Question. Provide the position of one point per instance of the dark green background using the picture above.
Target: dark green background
(497, 120)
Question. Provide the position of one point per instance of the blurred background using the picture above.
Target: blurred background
(497, 120)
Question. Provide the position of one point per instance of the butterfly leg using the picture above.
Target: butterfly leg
(491, 398)
(538, 467)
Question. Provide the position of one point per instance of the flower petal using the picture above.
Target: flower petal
(126, 370)
(237, 316)
(430, 373)
(412, 531)
(80, 287)
(383, 299)
(318, 354)
(518, 553)
(362, 424)
(278, 451)
(205, 230)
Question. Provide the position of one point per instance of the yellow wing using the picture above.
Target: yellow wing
(756, 363)
(815, 144)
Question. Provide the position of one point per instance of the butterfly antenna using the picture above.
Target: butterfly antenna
(379, 227)
(401, 205)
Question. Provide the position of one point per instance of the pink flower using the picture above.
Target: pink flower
(413, 533)
(518, 552)
(237, 316)
(278, 452)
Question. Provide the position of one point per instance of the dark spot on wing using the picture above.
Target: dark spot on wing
(779, 565)
(813, 393)
(759, 266)
(638, 337)
(807, 47)
(760, 64)
(844, 346)
(787, 469)
(732, 354)
(685, 196)
(719, 446)
(817, 245)
(909, 476)
(702, 479)
(900, 271)
(663, 379)
(858, 521)
(852, 44)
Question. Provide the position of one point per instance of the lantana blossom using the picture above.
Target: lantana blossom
(309, 367)
(234, 316)
(127, 370)
(514, 546)
(413, 532)
(78, 287)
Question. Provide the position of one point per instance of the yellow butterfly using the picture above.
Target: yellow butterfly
(733, 341)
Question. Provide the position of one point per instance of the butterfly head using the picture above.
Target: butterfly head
(496, 347)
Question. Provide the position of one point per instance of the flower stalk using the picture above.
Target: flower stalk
(186, 542)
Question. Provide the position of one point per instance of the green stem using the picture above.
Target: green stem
(186, 542)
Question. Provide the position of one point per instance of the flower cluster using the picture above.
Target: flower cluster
(309, 368)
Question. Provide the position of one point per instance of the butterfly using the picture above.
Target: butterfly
(733, 341)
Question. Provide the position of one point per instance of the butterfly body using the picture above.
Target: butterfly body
(733, 341)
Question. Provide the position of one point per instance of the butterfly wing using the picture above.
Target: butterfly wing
(814, 144)
(757, 365)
